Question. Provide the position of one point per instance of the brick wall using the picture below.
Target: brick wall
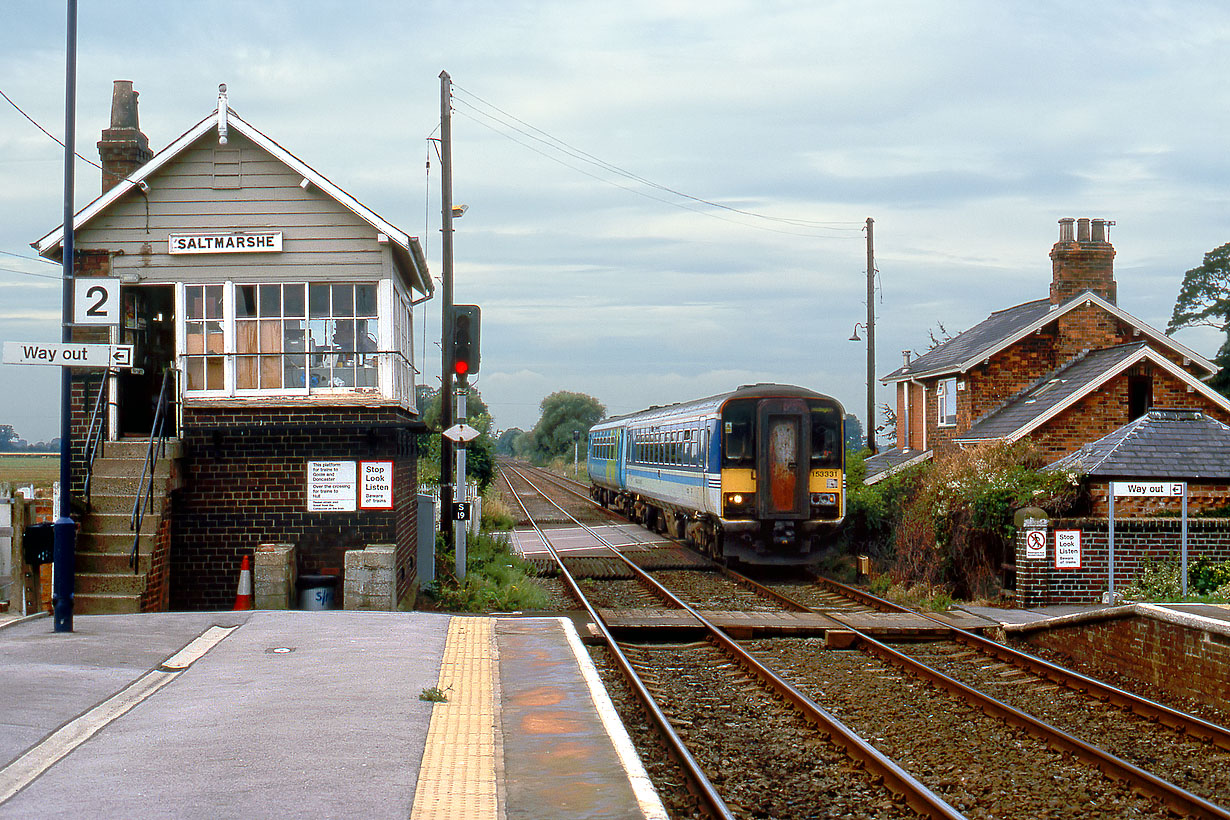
(1183, 661)
(246, 484)
(1007, 373)
(1039, 583)
(1106, 410)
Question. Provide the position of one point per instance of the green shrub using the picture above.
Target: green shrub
(1206, 578)
(496, 580)
(1158, 581)
(955, 519)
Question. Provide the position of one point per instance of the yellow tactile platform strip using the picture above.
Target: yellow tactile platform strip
(458, 777)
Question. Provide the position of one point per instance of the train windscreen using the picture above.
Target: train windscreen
(826, 437)
(739, 434)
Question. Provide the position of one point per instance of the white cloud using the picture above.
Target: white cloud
(965, 134)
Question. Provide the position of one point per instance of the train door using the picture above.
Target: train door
(147, 322)
(783, 458)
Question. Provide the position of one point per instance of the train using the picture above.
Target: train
(754, 476)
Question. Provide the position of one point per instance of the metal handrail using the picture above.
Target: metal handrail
(154, 450)
(93, 439)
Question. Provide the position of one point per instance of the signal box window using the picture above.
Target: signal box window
(205, 364)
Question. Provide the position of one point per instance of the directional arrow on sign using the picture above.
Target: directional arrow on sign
(461, 433)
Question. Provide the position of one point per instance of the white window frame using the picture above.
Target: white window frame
(384, 327)
(946, 394)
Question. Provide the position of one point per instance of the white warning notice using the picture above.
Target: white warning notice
(331, 486)
(376, 485)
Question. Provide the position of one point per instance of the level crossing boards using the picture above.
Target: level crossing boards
(68, 354)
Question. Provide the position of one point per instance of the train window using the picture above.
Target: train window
(739, 434)
(826, 439)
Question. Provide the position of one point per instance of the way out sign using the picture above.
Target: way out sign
(1149, 488)
(68, 354)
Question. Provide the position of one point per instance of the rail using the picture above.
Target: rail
(914, 793)
(94, 436)
(155, 449)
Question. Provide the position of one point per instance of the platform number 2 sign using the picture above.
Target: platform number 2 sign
(96, 301)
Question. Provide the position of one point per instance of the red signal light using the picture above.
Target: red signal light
(461, 367)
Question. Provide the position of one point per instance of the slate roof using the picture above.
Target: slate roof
(979, 339)
(1161, 444)
(1051, 392)
(1005, 327)
(886, 462)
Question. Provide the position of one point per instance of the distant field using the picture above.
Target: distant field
(20, 469)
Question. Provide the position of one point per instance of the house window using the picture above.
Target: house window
(1140, 396)
(946, 396)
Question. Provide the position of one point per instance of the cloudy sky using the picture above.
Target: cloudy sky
(667, 197)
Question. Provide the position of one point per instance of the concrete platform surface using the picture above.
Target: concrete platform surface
(312, 714)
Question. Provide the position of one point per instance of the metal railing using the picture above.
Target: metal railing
(168, 397)
(94, 437)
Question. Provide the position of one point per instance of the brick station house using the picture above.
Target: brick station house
(274, 313)
(1061, 371)
(1073, 373)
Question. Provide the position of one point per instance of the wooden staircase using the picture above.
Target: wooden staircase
(105, 581)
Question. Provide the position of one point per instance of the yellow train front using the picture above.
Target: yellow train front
(755, 475)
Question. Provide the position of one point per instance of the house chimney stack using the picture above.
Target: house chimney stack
(123, 148)
(1083, 263)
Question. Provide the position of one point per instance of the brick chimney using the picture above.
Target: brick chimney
(1083, 262)
(123, 148)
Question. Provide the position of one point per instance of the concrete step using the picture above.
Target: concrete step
(117, 523)
(117, 542)
(110, 502)
(123, 485)
(126, 468)
(135, 448)
(103, 603)
(109, 583)
(110, 562)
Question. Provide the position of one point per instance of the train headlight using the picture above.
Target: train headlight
(824, 499)
(739, 505)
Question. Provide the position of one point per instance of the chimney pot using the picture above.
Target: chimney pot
(123, 148)
(1099, 230)
(124, 105)
(1082, 230)
(905, 356)
(1065, 229)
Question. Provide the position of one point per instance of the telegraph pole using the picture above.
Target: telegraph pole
(871, 339)
(446, 294)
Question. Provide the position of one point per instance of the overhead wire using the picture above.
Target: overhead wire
(554, 143)
(59, 141)
(631, 190)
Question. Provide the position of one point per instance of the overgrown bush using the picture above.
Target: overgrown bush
(951, 519)
(873, 512)
(1208, 578)
(496, 580)
(1158, 581)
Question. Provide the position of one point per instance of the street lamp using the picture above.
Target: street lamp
(868, 328)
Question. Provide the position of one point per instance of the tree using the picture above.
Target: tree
(506, 444)
(8, 438)
(480, 453)
(563, 414)
(1204, 299)
(854, 433)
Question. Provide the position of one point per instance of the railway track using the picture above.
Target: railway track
(961, 750)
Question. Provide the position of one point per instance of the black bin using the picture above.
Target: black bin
(38, 542)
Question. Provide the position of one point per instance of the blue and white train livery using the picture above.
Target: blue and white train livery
(754, 475)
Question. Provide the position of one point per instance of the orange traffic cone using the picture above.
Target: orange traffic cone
(243, 598)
